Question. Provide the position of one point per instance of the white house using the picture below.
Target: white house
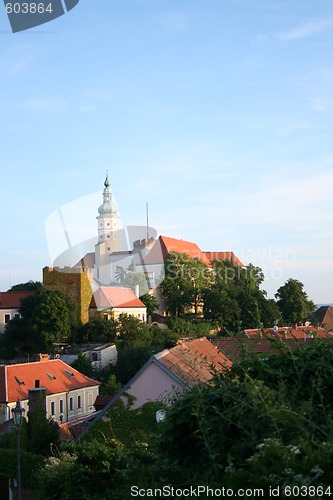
(116, 300)
(102, 356)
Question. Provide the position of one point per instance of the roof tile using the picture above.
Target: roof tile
(194, 361)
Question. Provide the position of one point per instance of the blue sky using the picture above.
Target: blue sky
(216, 112)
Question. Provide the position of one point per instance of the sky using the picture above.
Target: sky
(218, 113)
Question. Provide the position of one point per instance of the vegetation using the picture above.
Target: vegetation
(230, 296)
(46, 319)
(117, 453)
(38, 437)
(183, 283)
(267, 424)
(294, 303)
(29, 286)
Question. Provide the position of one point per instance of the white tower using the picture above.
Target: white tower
(108, 222)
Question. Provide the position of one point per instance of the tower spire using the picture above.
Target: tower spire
(107, 218)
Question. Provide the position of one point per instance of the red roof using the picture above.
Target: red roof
(299, 333)
(108, 297)
(237, 348)
(193, 361)
(165, 245)
(324, 316)
(55, 375)
(12, 300)
(230, 256)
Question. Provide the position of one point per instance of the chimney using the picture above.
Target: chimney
(43, 357)
(137, 291)
(37, 400)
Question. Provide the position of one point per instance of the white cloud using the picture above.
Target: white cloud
(305, 30)
(44, 104)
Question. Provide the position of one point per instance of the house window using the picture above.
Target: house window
(106, 317)
(17, 315)
(79, 402)
(61, 406)
(90, 398)
(52, 408)
(7, 318)
(71, 404)
(108, 236)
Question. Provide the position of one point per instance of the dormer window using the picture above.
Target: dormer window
(19, 381)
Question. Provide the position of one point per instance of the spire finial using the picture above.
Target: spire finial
(107, 182)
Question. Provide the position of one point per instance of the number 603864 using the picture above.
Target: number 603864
(29, 8)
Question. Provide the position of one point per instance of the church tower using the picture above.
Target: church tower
(108, 220)
(108, 225)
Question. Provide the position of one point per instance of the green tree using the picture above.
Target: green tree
(28, 286)
(98, 330)
(267, 422)
(269, 312)
(151, 303)
(293, 302)
(235, 297)
(83, 365)
(132, 280)
(45, 320)
(221, 307)
(183, 283)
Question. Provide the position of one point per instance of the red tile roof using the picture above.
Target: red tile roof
(230, 256)
(324, 316)
(236, 348)
(55, 375)
(68, 431)
(165, 245)
(193, 361)
(102, 400)
(108, 297)
(299, 333)
(12, 300)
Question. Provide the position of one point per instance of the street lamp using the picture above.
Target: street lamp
(18, 416)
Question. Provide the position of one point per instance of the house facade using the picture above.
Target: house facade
(112, 301)
(170, 372)
(10, 303)
(69, 393)
(102, 356)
